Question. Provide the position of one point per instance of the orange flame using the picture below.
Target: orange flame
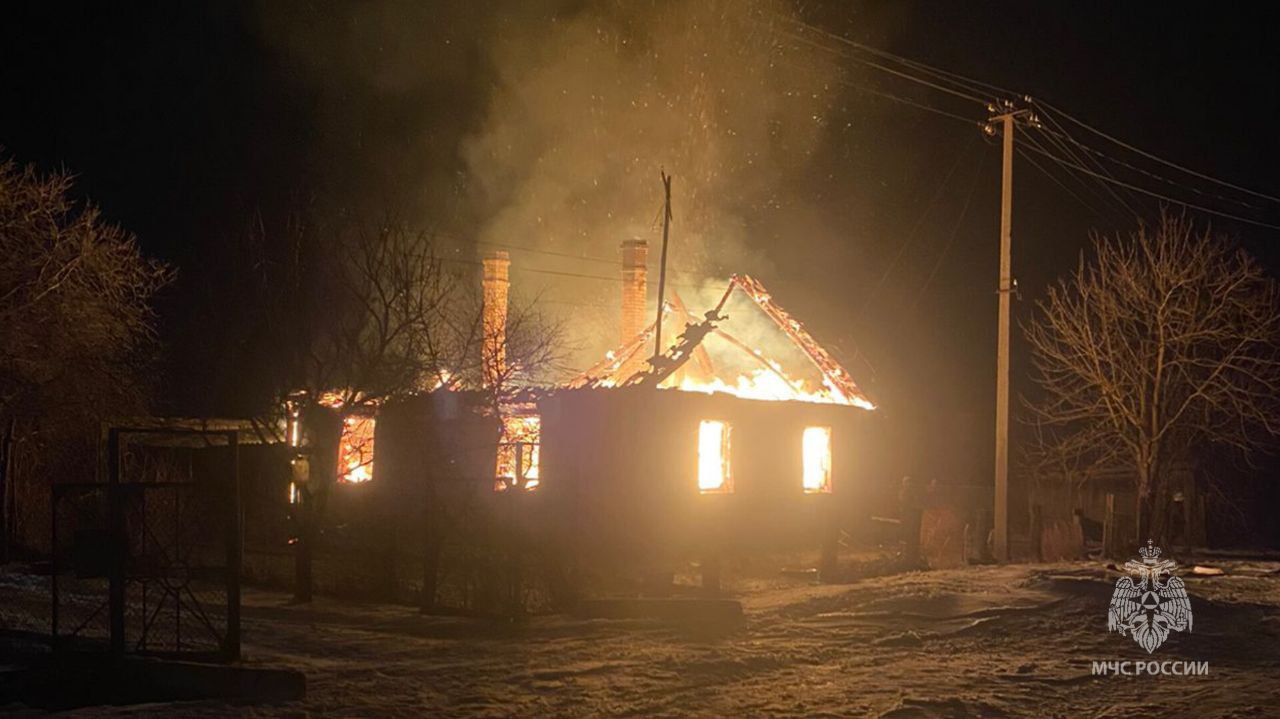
(355, 449)
(518, 452)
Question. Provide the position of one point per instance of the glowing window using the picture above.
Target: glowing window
(713, 457)
(816, 446)
(518, 453)
(355, 450)
(293, 426)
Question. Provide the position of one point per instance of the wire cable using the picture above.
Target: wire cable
(971, 85)
(1083, 160)
(1148, 173)
(912, 103)
(584, 258)
(1027, 156)
(910, 239)
(891, 71)
(955, 231)
(1029, 141)
(1156, 158)
(969, 88)
(902, 100)
(1166, 198)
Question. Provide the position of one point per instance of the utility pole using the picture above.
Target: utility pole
(1006, 287)
(662, 270)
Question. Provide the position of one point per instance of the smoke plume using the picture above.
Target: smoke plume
(544, 127)
(589, 107)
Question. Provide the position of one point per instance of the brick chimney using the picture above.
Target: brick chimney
(635, 254)
(497, 286)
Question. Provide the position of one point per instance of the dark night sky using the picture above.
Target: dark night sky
(184, 120)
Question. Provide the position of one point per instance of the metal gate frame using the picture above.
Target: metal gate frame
(118, 544)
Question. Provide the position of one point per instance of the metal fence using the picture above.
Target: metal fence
(149, 561)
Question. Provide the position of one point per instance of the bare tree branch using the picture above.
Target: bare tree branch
(1169, 339)
(77, 331)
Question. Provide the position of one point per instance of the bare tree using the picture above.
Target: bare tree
(1167, 340)
(368, 313)
(373, 328)
(1051, 454)
(77, 331)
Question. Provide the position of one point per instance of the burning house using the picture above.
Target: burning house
(712, 445)
(710, 448)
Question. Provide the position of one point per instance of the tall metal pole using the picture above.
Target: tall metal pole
(1001, 548)
(662, 270)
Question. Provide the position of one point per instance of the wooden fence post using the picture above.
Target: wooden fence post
(1037, 532)
(1109, 527)
(235, 550)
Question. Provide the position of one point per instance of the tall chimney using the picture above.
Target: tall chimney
(635, 254)
(497, 285)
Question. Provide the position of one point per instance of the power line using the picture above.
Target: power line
(969, 85)
(1166, 198)
(871, 296)
(1116, 199)
(585, 305)
(891, 71)
(519, 248)
(583, 276)
(1027, 156)
(899, 99)
(1100, 214)
(584, 258)
(1161, 160)
(955, 231)
(1082, 160)
(561, 273)
(912, 103)
(1148, 173)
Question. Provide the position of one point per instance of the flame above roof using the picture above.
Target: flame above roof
(629, 366)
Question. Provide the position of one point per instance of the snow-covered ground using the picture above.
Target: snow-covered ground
(977, 642)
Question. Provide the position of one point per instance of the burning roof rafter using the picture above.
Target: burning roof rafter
(699, 353)
(613, 370)
(609, 370)
(663, 366)
(834, 374)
